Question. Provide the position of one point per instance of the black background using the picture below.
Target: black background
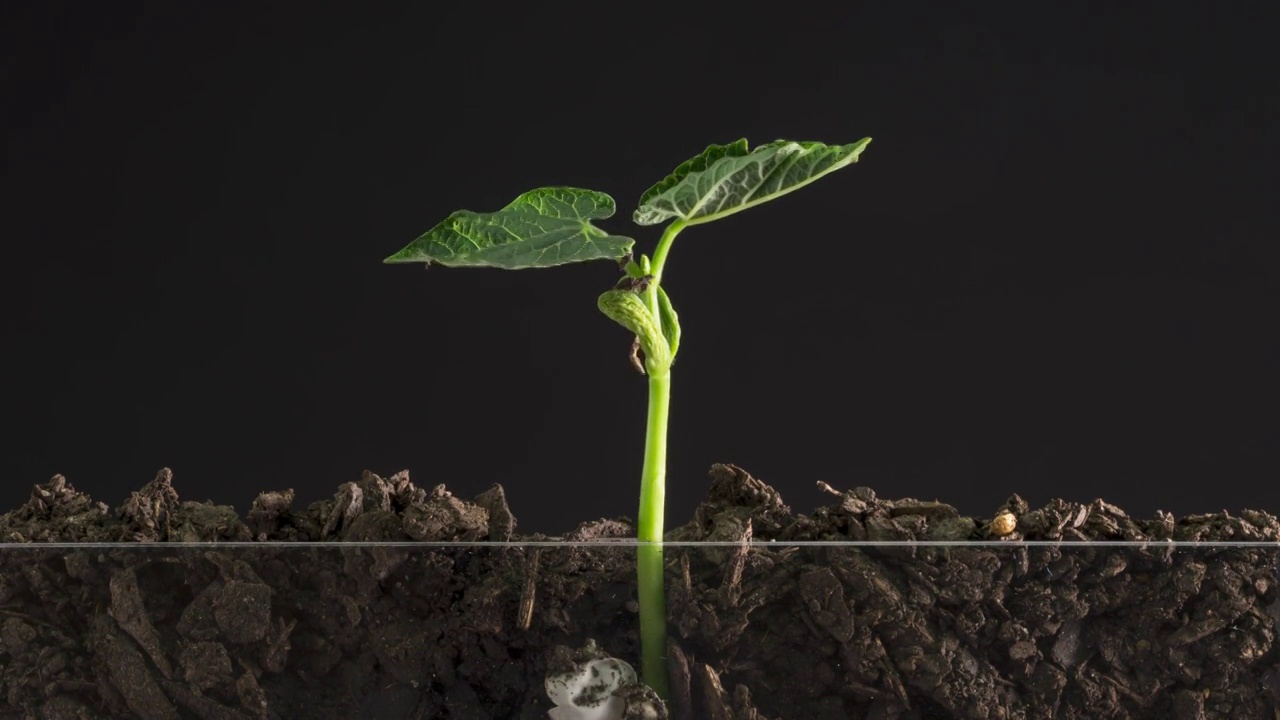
(1053, 272)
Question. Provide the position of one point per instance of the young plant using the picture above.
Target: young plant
(553, 226)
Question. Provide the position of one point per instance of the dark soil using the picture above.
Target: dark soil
(1004, 629)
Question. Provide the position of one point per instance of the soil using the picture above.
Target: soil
(144, 628)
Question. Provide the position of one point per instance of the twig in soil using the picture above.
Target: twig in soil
(731, 587)
(685, 576)
(524, 616)
(31, 619)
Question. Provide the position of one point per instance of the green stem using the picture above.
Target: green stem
(659, 262)
(653, 491)
(654, 476)
(649, 561)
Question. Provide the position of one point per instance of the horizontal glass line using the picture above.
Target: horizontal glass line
(622, 542)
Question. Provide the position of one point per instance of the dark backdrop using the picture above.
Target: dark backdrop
(1054, 271)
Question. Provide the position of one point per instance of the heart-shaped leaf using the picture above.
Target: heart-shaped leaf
(727, 178)
(542, 228)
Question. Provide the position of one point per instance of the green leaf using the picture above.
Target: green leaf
(542, 228)
(727, 178)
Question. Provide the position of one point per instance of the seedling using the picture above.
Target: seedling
(553, 226)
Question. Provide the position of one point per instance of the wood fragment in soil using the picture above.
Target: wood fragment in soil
(713, 693)
(731, 586)
(678, 682)
(524, 616)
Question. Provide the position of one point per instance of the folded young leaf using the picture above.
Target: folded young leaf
(542, 228)
(727, 178)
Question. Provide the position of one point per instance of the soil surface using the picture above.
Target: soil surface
(1000, 630)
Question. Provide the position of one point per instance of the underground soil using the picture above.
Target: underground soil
(1005, 629)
